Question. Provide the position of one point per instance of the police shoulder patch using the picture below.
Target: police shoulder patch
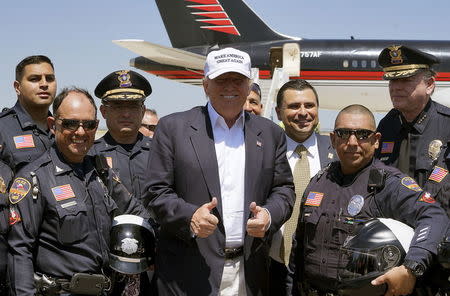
(410, 183)
(426, 197)
(19, 189)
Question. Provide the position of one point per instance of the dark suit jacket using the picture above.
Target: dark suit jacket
(325, 150)
(183, 175)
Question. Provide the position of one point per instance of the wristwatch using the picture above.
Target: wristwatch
(416, 268)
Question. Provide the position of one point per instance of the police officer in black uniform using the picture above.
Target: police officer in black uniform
(123, 93)
(126, 149)
(24, 135)
(64, 203)
(413, 131)
(6, 176)
(353, 190)
(23, 128)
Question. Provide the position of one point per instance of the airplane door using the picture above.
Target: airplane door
(275, 58)
(291, 59)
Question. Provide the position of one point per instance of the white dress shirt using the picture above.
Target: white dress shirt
(314, 167)
(230, 152)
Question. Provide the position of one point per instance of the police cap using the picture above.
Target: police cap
(399, 61)
(123, 85)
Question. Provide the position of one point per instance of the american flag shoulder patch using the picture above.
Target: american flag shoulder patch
(387, 147)
(63, 192)
(24, 141)
(438, 174)
(314, 199)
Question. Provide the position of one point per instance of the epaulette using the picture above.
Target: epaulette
(6, 111)
(442, 109)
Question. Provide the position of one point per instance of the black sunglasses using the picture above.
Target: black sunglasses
(360, 134)
(74, 124)
(150, 127)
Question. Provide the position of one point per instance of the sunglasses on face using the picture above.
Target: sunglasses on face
(150, 127)
(74, 124)
(360, 134)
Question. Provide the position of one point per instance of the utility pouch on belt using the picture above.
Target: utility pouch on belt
(89, 284)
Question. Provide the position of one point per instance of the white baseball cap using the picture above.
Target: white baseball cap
(227, 60)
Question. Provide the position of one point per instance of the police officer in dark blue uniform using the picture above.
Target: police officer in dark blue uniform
(123, 93)
(6, 176)
(353, 190)
(413, 131)
(24, 135)
(64, 203)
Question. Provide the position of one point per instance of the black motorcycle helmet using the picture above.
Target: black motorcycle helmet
(377, 246)
(132, 244)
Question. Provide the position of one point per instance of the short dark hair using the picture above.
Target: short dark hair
(34, 59)
(65, 92)
(356, 109)
(298, 84)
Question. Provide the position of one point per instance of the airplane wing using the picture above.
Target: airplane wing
(164, 55)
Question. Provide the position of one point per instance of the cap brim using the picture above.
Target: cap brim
(391, 75)
(128, 267)
(227, 70)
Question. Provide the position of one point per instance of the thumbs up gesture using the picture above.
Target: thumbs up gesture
(203, 223)
(258, 224)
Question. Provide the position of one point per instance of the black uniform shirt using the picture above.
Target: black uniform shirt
(438, 182)
(432, 124)
(5, 179)
(326, 221)
(21, 139)
(64, 219)
(130, 165)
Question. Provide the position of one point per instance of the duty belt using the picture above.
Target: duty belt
(80, 283)
(231, 253)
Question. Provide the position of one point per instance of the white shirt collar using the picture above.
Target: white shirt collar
(309, 143)
(217, 119)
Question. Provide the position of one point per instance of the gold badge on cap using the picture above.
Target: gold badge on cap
(396, 54)
(434, 149)
(124, 78)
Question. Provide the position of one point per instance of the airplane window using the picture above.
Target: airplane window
(373, 64)
(364, 63)
(355, 64)
(345, 64)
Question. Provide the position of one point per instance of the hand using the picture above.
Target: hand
(203, 223)
(399, 279)
(259, 223)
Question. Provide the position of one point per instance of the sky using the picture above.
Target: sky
(77, 36)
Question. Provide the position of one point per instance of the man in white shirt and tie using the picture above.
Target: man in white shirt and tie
(307, 152)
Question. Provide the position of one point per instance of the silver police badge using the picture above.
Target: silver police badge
(355, 205)
(434, 149)
(129, 245)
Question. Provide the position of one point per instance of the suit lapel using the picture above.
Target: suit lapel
(202, 140)
(253, 161)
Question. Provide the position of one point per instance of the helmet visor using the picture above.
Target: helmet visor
(361, 264)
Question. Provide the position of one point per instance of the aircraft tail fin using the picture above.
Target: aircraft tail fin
(191, 23)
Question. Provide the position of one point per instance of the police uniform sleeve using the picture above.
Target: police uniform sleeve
(6, 176)
(405, 201)
(26, 215)
(125, 201)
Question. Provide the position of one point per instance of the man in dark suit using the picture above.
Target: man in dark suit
(298, 109)
(220, 186)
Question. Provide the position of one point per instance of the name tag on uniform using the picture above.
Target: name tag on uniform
(25, 141)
